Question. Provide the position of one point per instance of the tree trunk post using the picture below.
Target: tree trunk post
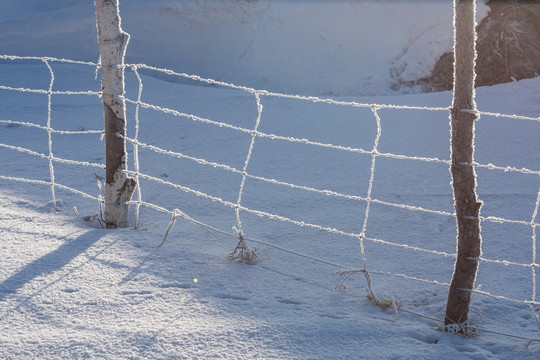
(112, 44)
(467, 205)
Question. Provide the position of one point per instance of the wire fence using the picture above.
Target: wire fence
(255, 134)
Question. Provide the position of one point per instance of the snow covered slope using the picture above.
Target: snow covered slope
(316, 47)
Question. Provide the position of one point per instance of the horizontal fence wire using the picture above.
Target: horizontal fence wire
(255, 133)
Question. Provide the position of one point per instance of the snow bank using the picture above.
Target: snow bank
(316, 47)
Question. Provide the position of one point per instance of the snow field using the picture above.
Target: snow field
(69, 289)
(115, 293)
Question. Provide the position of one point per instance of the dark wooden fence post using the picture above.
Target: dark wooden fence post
(467, 205)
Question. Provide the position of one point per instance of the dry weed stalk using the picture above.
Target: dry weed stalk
(383, 303)
(242, 253)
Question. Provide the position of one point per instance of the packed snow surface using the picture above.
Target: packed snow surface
(72, 290)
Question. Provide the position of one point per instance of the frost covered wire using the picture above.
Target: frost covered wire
(234, 206)
(47, 58)
(362, 235)
(475, 329)
(242, 253)
(52, 183)
(54, 158)
(178, 213)
(286, 96)
(373, 152)
(254, 133)
(48, 183)
(46, 92)
(296, 186)
(52, 130)
(246, 163)
(328, 145)
(136, 147)
(49, 133)
(517, 117)
(534, 264)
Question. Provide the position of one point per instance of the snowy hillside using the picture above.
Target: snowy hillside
(311, 47)
(71, 290)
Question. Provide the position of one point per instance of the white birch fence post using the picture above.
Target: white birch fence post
(466, 202)
(112, 44)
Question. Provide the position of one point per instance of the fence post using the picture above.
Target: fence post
(467, 205)
(112, 44)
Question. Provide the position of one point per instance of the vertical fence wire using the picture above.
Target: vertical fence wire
(374, 152)
(534, 258)
(49, 132)
(135, 143)
(246, 163)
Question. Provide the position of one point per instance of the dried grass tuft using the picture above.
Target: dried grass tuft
(383, 303)
(242, 253)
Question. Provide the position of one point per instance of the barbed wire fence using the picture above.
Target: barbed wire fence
(255, 133)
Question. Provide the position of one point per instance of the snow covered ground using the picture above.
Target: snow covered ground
(69, 289)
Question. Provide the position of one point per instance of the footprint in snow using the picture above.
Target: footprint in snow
(289, 302)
